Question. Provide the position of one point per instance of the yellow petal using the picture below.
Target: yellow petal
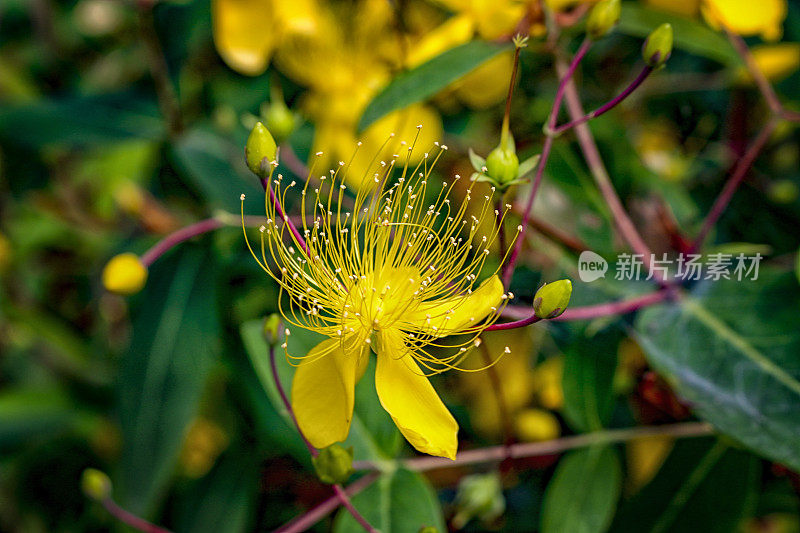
(409, 398)
(775, 61)
(323, 389)
(456, 313)
(746, 17)
(451, 33)
(244, 33)
(487, 84)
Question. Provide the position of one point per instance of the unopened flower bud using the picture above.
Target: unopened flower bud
(124, 274)
(602, 18)
(271, 325)
(658, 46)
(535, 425)
(279, 119)
(428, 529)
(552, 299)
(334, 464)
(479, 495)
(502, 165)
(260, 150)
(95, 484)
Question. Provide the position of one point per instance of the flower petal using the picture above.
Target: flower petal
(324, 387)
(451, 315)
(410, 399)
(242, 34)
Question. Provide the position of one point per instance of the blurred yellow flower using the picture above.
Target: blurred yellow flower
(344, 64)
(246, 32)
(775, 61)
(124, 274)
(394, 278)
(746, 17)
(645, 456)
(688, 8)
(547, 383)
(534, 425)
(205, 440)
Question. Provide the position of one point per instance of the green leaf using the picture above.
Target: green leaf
(477, 161)
(589, 368)
(28, 412)
(702, 486)
(216, 167)
(176, 338)
(429, 78)
(373, 435)
(690, 35)
(400, 502)
(730, 349)
(223, 501)
(583, 493)
(528, 165)
(81, 121)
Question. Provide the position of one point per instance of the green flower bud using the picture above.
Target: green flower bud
(260, 150)
(95, 484)
(271, 325)
(602, 18)
(479, 495)
(334, 464)
(502, 165)
(428, 529)
(552, 299)
(279, 119)
(658, 46)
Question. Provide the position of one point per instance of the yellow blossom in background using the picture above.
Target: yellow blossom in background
(204, 442)
(645, 456)
(344, 64)
(746, 17)
(394, 279)
(535, 425)
(775, 61)
(514, 373)
(688, 8)
(246, 32)
(547, 383)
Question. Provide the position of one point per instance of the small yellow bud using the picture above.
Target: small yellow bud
(602, 18)
(502, 165)
(428, 529)
(260, 150)
(95, 484)
(124, 274)
(279, 119)
(535, 425)
(658, 46)
(271, 325)
(552, 299)
(334, 464)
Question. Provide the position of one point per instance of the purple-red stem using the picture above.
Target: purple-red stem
(508, 268)
(126, 517)
(340, 494)
(524, 316)
(183, 234)
(305, 521)
(597, 168)
(738, 175)
(646, 71)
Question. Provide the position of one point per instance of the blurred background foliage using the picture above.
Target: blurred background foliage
(121, 122)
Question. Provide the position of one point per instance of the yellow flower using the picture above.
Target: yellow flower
(394, 274)
(745, 17)
(344, 65)
(246, 32)
(775, 61)
(688, 8)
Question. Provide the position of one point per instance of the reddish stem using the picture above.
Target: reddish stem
(183, 234)
(339, 493)
(305, 521)
(646, 71)
(286, 220)
(738, 175)
(583, 313)
(126, 517)
(508, 268)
